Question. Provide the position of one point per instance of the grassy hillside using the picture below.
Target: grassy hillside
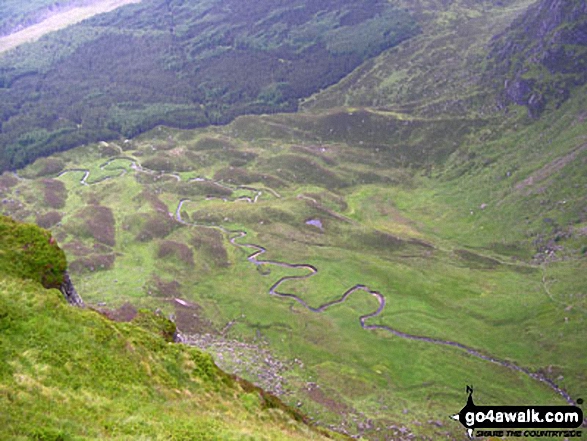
(436, 73)
(67, 373)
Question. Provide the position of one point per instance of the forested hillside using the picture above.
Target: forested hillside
(185, 64)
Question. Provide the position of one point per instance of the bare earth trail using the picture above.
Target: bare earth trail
(60, 20)
(235, 235)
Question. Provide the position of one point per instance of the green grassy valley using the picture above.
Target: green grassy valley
(408, 232)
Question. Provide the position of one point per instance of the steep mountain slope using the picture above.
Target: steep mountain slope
(543, 55)
(67, 373)
(437, 73)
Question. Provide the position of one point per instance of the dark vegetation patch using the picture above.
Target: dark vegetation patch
(45, 167)
(96, 222)
(208, 143)
(364, 178)
(157, 204)
(180, 251)
(48, 220)
(375, 241)
(248, 214)
(7, 181)
(200, 159)
(93, 262)
(95, 198)
(210, 242)
(167, 162)
(159, 287)
(475, 260)
(242, 176)
(54, 192)
(187, 67)
(154, 178)
(222, 152)
(163, 144)
(77, 248)
(99, 221)
(384, 141)
(197, 188)
(329, 200)
(108, 151)
(155, 225)
(240, 158)
(515, 250)
(190, 319)
(333, 401)
(301, 170)
(125, 313)
(315, 152)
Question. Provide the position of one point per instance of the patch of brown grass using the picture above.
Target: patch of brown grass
(190, 319)
(241, 176)
(54, 192)
(198, 188)
(156, 203)
(108, 151)
(209, 143)
(125, 313)
(211, 243)
(98, 222)
(161, 288)
(7, 181)
(93, 262)
(167, 162)
(48, 220)
(169, 248)
(156, 225)
(48, 166)
(76, 248)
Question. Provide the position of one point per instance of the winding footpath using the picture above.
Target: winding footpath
(236, 235)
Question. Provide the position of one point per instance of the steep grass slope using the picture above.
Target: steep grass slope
(67, 373)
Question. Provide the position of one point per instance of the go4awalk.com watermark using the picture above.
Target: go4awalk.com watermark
(520, 421)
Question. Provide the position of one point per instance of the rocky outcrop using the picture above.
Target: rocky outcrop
(70, 293)
(540, 59)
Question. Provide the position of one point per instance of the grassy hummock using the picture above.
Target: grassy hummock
(29, 252)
